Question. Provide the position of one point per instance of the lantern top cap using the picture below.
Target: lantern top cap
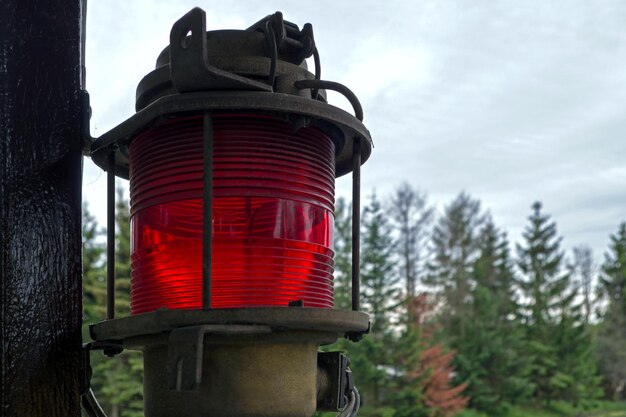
(261, 70)
(268, 56)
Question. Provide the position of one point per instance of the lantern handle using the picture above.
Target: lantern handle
(334, 86)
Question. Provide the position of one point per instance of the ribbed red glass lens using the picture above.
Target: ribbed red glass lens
(272, 215)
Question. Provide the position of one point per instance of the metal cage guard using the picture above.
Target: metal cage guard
(257, 70)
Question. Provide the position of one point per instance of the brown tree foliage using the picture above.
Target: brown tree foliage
(435, 370)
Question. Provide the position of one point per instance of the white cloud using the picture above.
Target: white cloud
(511, 101)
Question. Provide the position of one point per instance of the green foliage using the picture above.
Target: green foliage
(343, 254)
(455, 249)
(557, 409)
(612, 332)
(371, 358)
(411, 217)
(116, 381)
(94, 273)
(408, 397)
(559, 344)
(490, 358)
(613, 278)
(379, 293)
(524, 347)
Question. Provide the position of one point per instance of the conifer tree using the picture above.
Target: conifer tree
(343, 254)
(490, 357)
(379, 283)
(612, 332)
(429, 377)
(551, 316)
(455, 249)
(613, 278)
(94, 273)
(411, 217)
(116, 381)
(379, 297)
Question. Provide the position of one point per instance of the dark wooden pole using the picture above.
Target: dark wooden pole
(40, 207)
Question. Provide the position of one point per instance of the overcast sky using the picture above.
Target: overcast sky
(510, 101)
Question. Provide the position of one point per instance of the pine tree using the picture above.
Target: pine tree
(490, 357)
(551, 316)
(431, 375)
(612, 332)
(411, 218)
(408, 399)
(455, 249)
(94, 272)
(343, 254)
(379, 283)
(613, 278)
(611, 353)
(116, 381)
(379, 296)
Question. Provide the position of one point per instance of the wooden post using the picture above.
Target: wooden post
(40, 207)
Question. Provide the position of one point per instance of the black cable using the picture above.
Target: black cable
(352, 407)
(318, 71)
(357, 402)
(90, 405)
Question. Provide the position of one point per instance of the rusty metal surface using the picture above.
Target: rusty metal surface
(190, 69)
(338, 321)
(341, 126)
(40, 217)
(275, 376)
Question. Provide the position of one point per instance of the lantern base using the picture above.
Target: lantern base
(260, 362)
(252, 375)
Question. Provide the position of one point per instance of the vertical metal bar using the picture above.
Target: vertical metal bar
(207, 205)
(111, 235)
(356, 223)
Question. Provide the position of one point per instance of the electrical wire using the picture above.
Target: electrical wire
(347, 410)
(357, 402)
(352, 408)
(90, 404)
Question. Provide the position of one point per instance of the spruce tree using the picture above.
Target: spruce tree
(455, 249)
(343, 254)
(490, 357)
(613, 278)
(379, 283)
(612, 331)
(551, 317)
(116, 381)
(94, 272)
(379, 297)
(427, 368)
(411, 217)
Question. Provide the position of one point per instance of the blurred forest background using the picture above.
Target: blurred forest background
(464, 322)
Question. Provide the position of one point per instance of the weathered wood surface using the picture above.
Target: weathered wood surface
(40, 203)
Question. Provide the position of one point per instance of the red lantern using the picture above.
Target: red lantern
(273, 202)
(232, 158)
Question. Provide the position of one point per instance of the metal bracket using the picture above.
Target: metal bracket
(295, 45)
(87, 398)
(358, 336)
(85, 122)
(189, 65)
(186, 348)
(338, 383)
